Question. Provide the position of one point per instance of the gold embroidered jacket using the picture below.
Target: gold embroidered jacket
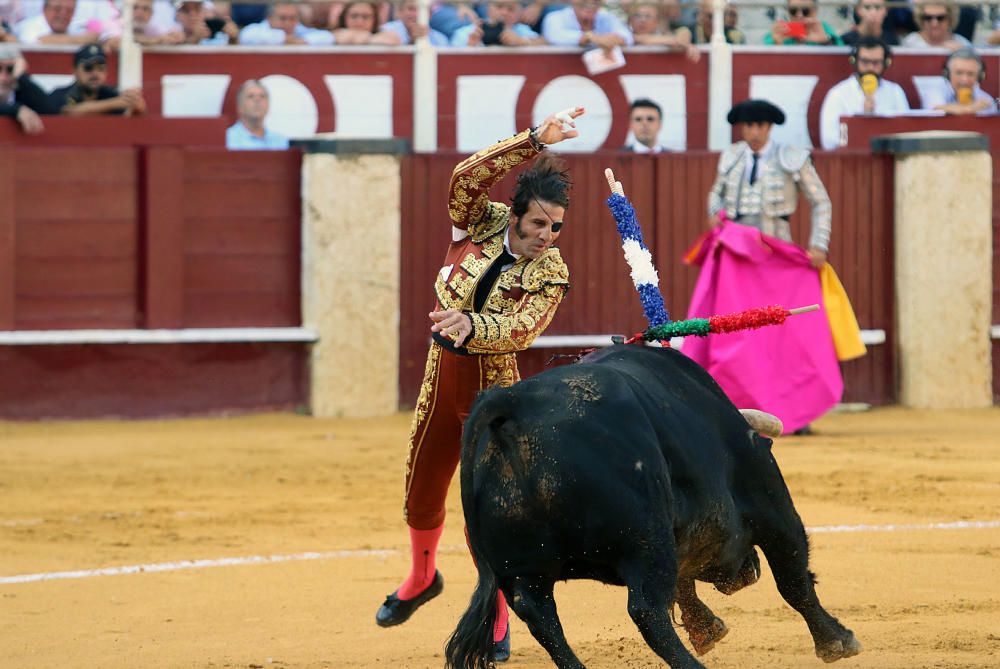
(526, 295)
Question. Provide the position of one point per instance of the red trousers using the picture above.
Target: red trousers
(451, 383)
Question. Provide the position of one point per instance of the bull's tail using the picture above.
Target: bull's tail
(471, 645)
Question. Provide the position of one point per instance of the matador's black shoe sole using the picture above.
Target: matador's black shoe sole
(396, 611)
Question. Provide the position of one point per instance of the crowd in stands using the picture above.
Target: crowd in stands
(95, 26)
(586, 23)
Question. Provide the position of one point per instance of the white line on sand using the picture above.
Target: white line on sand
(333, 555)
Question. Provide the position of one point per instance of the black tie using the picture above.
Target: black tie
(485, 285)
(753, 169)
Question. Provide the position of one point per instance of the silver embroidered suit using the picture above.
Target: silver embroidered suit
(782, 173)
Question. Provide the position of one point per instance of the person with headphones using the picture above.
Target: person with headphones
(959, 90)
(864, 92)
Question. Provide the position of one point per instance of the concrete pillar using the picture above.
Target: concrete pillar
(350, 273)
(943, 256)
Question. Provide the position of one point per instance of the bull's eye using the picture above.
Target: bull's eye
(638, 465)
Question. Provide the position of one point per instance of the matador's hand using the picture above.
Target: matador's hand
(452, 323)
(559, 126)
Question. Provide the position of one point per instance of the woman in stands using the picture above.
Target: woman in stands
(937, 21)
(359, 24)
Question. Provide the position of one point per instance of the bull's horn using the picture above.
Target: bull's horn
(765, 423)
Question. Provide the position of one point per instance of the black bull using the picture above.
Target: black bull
(631, 468)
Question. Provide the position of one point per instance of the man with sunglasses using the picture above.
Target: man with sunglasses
(803, 27)
(864, 92)
(89, 93)
(500, 285)
(20, 97)
(645, 121)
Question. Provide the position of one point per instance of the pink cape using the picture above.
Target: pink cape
(789, 370)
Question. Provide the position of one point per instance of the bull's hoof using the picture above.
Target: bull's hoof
(848, 646)
(704, 637)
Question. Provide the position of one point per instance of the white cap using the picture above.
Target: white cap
(9, 51)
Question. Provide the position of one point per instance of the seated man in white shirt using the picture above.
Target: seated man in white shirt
(958, 91)
(864, 92)
(284, 27)
(249, 132)
(645, 119)
(55, 25)
(586, 24)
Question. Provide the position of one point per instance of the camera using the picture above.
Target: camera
(491, 33)
(215, 25)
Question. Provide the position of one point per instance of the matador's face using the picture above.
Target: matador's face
(537, 229)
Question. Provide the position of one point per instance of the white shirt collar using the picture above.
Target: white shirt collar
(639, 147)
(764, 151)
(506, 242)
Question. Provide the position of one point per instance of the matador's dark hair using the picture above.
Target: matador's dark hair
(547, 180)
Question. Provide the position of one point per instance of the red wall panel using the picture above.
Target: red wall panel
(76, 220)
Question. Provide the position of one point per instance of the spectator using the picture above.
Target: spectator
(89, 93)
(803, 27)
(855, 95)
(958, 91)
(585, 23)
(20, 97)
(869, 21)
(249, 132)
(55, 25)
(937, 21)
(409, 28)
(649, 28)
(703, 24)
(503, 28)
(645, 121)
(282, 26)
(196, 28)
(358, 24)
(144, 32)
(447, 17)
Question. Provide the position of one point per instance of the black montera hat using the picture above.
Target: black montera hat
(755, 111)
(88, 53)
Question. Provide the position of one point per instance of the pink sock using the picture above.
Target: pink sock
(500, 629)
(423, 552)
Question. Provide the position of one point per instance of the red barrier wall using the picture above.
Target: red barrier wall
(669, 192)
(153, 237)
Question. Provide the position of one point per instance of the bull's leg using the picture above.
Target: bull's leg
(651, 582)
(787, 551)
(534, 603)
(704, 628)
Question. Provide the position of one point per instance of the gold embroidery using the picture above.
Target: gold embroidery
(472, 178)
(421, 415)
(547, 269)
(514, 332)
(493, 221)
(462, 285)
(475, 266)
(500, 370)
(497, 303)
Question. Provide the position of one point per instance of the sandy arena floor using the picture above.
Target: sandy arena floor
(85, 496)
